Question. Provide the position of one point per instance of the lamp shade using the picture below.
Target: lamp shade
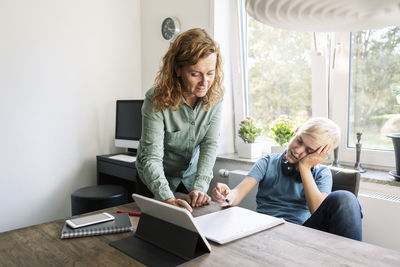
(326, 15)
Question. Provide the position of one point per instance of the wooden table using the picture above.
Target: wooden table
(285, 245)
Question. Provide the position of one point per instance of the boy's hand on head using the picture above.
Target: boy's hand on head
(220, 193)
(316, 157)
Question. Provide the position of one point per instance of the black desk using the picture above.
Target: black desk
(112, 171)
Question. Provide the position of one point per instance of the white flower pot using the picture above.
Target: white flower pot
(249, 150)
(277, 149)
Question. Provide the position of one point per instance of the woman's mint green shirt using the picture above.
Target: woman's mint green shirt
(177, 146)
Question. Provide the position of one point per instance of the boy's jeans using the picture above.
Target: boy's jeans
(339, 214)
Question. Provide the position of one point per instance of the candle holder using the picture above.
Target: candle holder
(358, 166)
(335, 162)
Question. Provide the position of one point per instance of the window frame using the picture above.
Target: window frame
(240, 85)
(330, 89)
(339, 93)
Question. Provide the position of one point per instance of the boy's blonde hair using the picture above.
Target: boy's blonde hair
(322, 129)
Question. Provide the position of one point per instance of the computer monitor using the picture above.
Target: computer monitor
(128, 124)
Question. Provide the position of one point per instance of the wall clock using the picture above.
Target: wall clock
(170, 28)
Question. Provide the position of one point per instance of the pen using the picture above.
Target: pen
(228, 201)
(130, 213)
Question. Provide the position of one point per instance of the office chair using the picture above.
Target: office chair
(345, 179)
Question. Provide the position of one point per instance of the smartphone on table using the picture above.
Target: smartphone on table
(89, 220)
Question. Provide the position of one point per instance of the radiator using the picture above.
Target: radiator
(381, 221)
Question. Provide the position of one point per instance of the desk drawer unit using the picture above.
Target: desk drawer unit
(117, 170)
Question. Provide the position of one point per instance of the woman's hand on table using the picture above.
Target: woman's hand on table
(179, 203)
(197, 198)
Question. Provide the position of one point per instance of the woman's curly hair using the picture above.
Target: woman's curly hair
(186, 49)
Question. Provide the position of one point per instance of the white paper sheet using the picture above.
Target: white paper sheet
(233, 223)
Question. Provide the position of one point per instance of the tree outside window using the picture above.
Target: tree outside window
(279, 73)
(374, 86)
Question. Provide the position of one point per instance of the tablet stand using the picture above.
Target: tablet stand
(160, 243)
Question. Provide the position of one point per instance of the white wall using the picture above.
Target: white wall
(190, 13)
(62, 66)
(211, 15)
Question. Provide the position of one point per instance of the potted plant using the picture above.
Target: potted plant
(248, 132)
(282, 130)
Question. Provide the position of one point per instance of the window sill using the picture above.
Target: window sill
(371, 176)
(235, 157)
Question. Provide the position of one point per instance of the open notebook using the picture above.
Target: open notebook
(233, 223)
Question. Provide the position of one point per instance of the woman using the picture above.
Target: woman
(181, 117)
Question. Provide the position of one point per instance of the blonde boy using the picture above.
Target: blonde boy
(295, 187)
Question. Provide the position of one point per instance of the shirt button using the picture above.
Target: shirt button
(192, 122)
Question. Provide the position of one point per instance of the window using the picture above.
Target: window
(363, 93)
(374, 86)
(279, 73)
(362, 83)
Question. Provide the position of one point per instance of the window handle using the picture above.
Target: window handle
(336, 51)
